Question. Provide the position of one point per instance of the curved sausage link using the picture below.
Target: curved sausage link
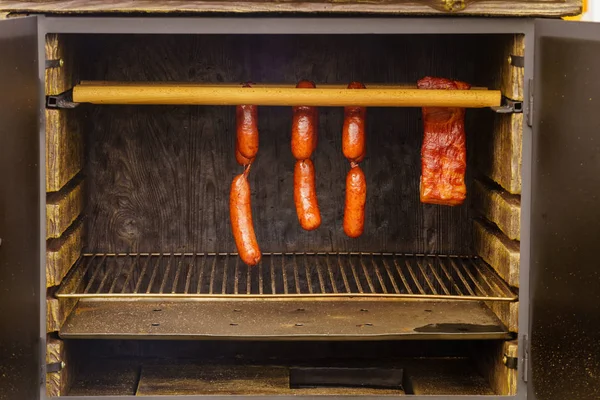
(353, 132)
(356, 197)
(241, 220)
(305, 195)
(304, 127)
(247, 130)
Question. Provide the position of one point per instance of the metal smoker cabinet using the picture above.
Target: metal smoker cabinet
(559, 335)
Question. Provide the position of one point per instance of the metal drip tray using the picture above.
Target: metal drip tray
(283, 275)
(289, 319)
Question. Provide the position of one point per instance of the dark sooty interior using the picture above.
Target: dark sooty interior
(262, 368)
(158, 177)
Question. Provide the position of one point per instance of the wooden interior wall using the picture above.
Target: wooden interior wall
(158, 176)
(490, 360)
(64, 202)
(63, 208)
(498, 147)
(498, 206)
(497, 189)
(64, 140)
(57, 351)
(499, 155)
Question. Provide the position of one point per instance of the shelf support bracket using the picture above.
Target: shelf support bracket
(509, 107)
(63, 100)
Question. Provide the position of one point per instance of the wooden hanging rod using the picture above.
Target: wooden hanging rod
(258, 85)
(376, 95)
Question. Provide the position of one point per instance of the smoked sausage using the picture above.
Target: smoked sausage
(353, 132)
(247, 130)
(356, 197)
(241, 220)
(305, 195)
(304, 127)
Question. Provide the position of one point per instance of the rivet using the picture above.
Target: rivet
(155, 324)
(299, 324)
(364, 310)
(157, 309)
(233, 324)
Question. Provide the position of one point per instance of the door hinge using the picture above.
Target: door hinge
(530, 104)
(42, 362)
(525, 361)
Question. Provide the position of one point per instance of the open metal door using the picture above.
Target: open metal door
(565, 213)
(19, 210)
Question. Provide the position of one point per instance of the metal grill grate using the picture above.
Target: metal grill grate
(223, 275)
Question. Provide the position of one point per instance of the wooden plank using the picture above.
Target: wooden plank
(506, 312)
(392, 7)
(499, 207)
(64, 148)
(186, 379)
(62, 78)
(57, 310)
(513, 78)
(498, 251)
(499, 151)
(64, 144)
(61, 253)
(57, 383)
(63, 208)
(489, 358)
(427, 377)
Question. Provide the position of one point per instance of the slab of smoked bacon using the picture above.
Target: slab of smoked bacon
(444, 152)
